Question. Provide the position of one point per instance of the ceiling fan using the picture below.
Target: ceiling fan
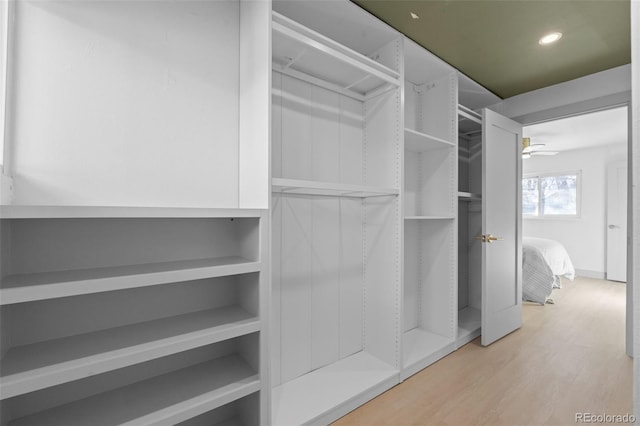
(529, 149)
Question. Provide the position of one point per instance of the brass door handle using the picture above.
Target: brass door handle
(488, 238)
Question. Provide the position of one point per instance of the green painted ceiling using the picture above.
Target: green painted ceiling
(495, 42)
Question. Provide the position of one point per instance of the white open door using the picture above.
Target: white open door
(501, 226)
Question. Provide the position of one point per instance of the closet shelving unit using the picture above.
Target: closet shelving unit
(132, 315)
(430, 181)
(336, 219)
(469, 224)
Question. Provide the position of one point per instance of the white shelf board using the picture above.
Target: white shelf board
(469, 321)
(49, 285)
(469, 114)
(468, 196)
(415, 141)
(54, 212)
(305, 52)
(307, 187)
(40, 365)
(306, 399)
(166, 399)
(420, 344)
(429, 217)
(469, 123)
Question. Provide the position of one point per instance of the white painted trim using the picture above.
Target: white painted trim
(635, 196)
(4, 27)
(6, 51)
(254, 132)
(596, 91)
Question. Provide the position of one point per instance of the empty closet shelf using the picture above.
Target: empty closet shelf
(166, 399)
(39, 365)
(307, 399)
(415, 141)
(469, 321)
(421, 346)
(47, 285)
(307, 187)
(308, 55)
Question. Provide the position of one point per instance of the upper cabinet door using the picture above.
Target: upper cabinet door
(501, 227)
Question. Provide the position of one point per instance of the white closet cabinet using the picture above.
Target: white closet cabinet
(469, 225)
(336, 213)
(133, 316)
(430, 181)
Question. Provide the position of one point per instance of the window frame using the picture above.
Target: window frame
(541, 215)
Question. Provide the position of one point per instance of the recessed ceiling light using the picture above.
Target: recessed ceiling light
(414, 15)
(550, 38)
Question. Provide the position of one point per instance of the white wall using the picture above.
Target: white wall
(584, 237)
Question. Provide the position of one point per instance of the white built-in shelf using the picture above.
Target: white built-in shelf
(469, 114)
(307, 187)
(468, 196)
(419, 142)
(469, 122)
(40, 365)
(429, 218)
(48, 285)
(54, 212)
(422, 347)
(166, 399)
(303, 53)
(307, 399)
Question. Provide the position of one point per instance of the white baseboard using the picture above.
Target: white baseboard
(591, 274)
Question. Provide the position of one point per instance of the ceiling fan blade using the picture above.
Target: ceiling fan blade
(547, 153)
(532, 147)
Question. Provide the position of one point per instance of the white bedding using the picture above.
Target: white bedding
(544, 261)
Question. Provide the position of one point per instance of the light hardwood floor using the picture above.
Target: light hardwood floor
(567, 358)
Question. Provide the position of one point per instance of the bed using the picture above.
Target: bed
(544, 262)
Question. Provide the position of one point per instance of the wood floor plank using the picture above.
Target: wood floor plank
(567, 358)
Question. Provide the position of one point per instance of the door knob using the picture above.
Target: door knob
(613, 226)
(488, 238)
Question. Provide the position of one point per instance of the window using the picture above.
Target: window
(554, 195)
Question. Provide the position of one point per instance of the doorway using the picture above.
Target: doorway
(590, 143)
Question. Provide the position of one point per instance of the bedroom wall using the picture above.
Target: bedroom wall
(585, 238)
